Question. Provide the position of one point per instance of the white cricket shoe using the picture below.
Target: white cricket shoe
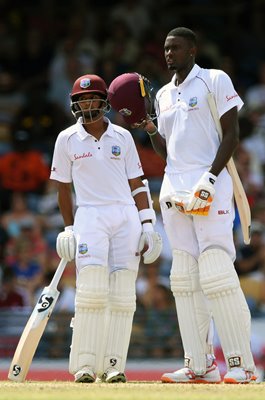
(239, 375)
(186, 375)
(85, 375)
(112, 375)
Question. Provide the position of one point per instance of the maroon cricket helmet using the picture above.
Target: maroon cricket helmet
(129, 94)
(89, 84)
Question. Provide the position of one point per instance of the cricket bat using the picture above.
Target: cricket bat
(34, 328)
(239, 192)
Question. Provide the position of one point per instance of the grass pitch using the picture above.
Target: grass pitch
(128, 391)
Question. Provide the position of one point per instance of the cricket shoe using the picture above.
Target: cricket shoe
(239, 375)
(85, 375)
(186, 375)
(112, 375)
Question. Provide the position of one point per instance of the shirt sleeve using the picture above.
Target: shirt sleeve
(225, 93)
(133, 163)
(61, 169)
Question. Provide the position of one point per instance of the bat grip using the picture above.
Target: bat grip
(58, 273)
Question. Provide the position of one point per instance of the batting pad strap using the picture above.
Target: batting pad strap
(147, 214)
(139, 190)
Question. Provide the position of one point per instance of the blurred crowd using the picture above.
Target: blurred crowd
(44, 46)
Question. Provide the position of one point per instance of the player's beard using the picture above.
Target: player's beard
(90, 116)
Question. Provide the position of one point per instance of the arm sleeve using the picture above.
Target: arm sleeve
(225, 93)
(61, 169)
(133, 163)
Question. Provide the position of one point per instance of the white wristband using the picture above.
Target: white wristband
(146, 214)
(69, 228)
(152, 133)
(139, 190)
(148, 227)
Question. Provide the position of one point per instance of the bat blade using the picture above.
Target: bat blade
(32, 334)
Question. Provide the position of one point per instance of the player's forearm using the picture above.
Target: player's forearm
(65, 203)
(158, 143)
(224, 153)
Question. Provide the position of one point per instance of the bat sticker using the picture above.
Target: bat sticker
(16, 370)
(44, 303)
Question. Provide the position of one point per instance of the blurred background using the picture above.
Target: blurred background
(44, 46)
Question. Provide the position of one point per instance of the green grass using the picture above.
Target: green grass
(128, 391)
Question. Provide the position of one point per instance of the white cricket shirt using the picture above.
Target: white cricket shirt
(99, 169)
(185, 119)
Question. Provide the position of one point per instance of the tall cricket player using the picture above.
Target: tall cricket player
(198, 211)
(112, 226)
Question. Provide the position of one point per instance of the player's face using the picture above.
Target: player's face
(89, 101)
(178, 53)
(91, 105)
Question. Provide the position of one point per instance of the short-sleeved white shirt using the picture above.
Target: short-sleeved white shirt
(99, 169)
(185, 119)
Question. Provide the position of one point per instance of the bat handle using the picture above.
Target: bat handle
(58, 273)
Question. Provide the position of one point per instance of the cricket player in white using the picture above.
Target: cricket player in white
(106, 235)
(198, 211)
(203, 278)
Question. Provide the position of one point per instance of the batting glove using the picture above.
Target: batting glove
(66, 244)
(202, 195)
(151, 239)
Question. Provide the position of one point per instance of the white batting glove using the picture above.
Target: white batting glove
(202, 195)
(151, 239)
(66, 244)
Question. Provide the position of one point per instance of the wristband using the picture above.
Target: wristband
(69, 228)
(147, 227)
(153, 133)
(147, 214)
(139, 190)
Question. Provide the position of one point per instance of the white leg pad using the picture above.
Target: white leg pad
(193, 314)
(90, 312)
(231, 314)
(122, 305)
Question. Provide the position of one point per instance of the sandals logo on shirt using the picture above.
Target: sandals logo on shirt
(116, 151)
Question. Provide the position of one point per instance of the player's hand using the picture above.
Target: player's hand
(66, 244)
(146, 124)
(202, 195)
(153, 241)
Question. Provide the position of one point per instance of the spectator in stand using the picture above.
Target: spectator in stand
(250, 266)
(121, 45)
(41, 118)
(250, 172)
(12, 99)
(23, 170)
(65, 66)
(18, 214)
(135, 14)
(28, 271)
(10, 297)
(255, 94)
(4, 237)
(162, 337)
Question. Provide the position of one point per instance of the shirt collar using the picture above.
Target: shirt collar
(192, 74)
(83, 134)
